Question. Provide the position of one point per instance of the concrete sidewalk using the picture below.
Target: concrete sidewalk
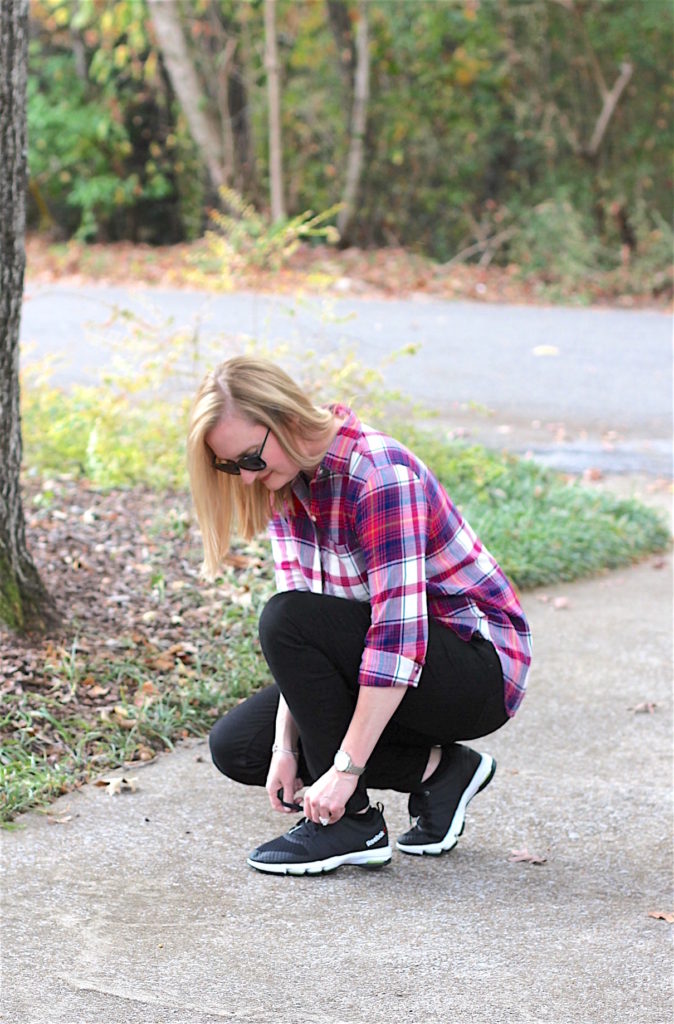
(140, 909)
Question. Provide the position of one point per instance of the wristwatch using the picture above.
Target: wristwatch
(343, 763)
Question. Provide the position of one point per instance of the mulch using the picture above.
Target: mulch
(123, 568)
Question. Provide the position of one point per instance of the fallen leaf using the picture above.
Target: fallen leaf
(162, 663)
(523, 856)
(143, 753)
(545, 350)
(544, 598)
(115, 786)
(59, 821)
(646, 707)
(592, 473)
(145, 694)
(661, 915)
(98, 691)
(560, 602)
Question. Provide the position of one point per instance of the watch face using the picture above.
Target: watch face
(342, 761)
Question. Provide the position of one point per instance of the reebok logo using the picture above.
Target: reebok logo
(379, 835)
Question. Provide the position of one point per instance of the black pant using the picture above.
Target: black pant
(313, 645)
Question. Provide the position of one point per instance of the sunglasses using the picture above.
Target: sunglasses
(251, 463)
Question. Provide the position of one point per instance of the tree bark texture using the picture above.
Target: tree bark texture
(204, 128)
(361, 96)
(274, 100)
(340, 24)
(24, 603)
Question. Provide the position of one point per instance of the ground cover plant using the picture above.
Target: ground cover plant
(149, 654)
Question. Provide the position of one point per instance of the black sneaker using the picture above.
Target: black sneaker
(310, 849)
(440, 809)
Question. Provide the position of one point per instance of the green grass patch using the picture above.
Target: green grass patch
(52, 742)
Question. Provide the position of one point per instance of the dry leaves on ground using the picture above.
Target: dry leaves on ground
(379, 273)
(123, 567)
(662, 915)
(116, 785)
(524, 857)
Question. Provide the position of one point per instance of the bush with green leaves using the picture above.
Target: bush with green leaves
(241, 239)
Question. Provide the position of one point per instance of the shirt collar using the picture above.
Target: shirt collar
(338, 455)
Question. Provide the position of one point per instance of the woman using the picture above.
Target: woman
(393, 634)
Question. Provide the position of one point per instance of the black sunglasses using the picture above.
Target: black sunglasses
(252, 463)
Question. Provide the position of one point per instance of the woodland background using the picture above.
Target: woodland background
(533, 134)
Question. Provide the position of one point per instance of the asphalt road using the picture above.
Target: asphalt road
(578, 387)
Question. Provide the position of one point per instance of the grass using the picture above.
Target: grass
(51, 742)
(53, 736)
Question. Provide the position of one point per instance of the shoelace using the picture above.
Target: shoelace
(291, 806)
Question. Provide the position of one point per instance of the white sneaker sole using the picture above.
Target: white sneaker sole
(364, 859)
(484, 773)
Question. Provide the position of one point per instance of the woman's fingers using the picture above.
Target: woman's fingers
(326, 799)
(282, 782)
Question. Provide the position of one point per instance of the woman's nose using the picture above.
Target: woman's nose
(248, 477)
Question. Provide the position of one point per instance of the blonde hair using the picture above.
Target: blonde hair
(259, 391)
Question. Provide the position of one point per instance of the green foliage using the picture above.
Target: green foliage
(36, 725)
(73, 149)
(107, 155)
(480, 116)
(555, 244)
(117, 433)
(243, 239)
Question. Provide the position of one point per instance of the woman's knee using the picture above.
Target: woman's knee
(280, 614)
(240, 741)
(230, 756)
(223, 749)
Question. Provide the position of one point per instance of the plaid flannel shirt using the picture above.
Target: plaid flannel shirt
(374, 524)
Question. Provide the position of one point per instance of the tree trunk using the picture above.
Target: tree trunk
(361, 95)
(204, 128)
(340, 23)
(24, 603)
(274, 98)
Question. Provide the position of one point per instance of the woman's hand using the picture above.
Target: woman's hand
(328, 796)
(283, 776)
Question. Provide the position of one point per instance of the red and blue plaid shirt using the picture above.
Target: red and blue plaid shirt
(374, 524)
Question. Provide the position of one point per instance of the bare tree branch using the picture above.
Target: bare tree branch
(487, 246)
(610, 103)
